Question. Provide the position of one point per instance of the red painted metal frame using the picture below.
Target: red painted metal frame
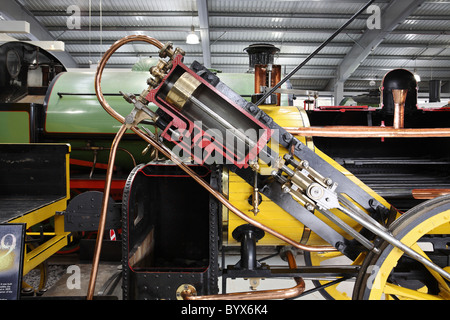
(188, 128)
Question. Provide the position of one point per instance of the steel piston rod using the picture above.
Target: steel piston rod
(373, 227)
(168, 153)
(228, 126)
(386, 235)
(355, 234)
(351, 210)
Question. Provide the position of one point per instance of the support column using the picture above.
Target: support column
(338, 92)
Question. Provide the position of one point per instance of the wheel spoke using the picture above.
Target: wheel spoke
(431, 217)
(442, 283)
(391, 289)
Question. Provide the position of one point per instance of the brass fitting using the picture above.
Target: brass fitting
(162, 67)
(167, 51)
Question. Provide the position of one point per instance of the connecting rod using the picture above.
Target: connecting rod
(163, 149)
(153, 141)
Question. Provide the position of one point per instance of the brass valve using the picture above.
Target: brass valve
(163, 66)
(167, 51)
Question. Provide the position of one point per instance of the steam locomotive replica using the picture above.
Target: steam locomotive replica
(360, 192)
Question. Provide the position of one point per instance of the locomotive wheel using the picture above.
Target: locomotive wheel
(392, 275)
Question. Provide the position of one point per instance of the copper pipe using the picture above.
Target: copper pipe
(276, 77)
(256, 295)
(169, 154)
(293, 264)
(102, 64)
(399, 108)
(112, 155)
(260, 77)
(166, 152)
(368, 132)
(251, 295)
(101, 226)
(425, 194)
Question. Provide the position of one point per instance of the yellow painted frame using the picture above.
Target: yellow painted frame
(238, 192)
(60, 238)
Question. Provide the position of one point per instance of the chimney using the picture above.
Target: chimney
(267, 75)
(435, 91)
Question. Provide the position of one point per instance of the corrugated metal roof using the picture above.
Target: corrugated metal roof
(129, 21)
(112, 5)
(433, 8)
(281, 22)
(429, 24)
(410, 37)
(334, 7)
(309, 84)
(421, 41)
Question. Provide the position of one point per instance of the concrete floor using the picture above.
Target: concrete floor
(64, 280)
(68, 285)
(72, 280)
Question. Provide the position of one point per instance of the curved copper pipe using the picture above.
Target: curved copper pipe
(292, 264)
(251, 295)
(168, 153)
(102, 64)
(102, 222)
(256, 295)
(115, 144)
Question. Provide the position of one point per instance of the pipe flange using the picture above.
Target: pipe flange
(186, 290)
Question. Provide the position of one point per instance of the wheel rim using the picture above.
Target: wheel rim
(377, 285)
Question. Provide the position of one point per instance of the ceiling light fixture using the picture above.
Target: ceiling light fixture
(416, 76)
(192, 37)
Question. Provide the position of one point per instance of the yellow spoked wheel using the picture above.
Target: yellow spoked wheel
(392, 275)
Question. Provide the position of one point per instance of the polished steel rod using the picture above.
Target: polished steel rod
(387, 236)
(169, 154)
